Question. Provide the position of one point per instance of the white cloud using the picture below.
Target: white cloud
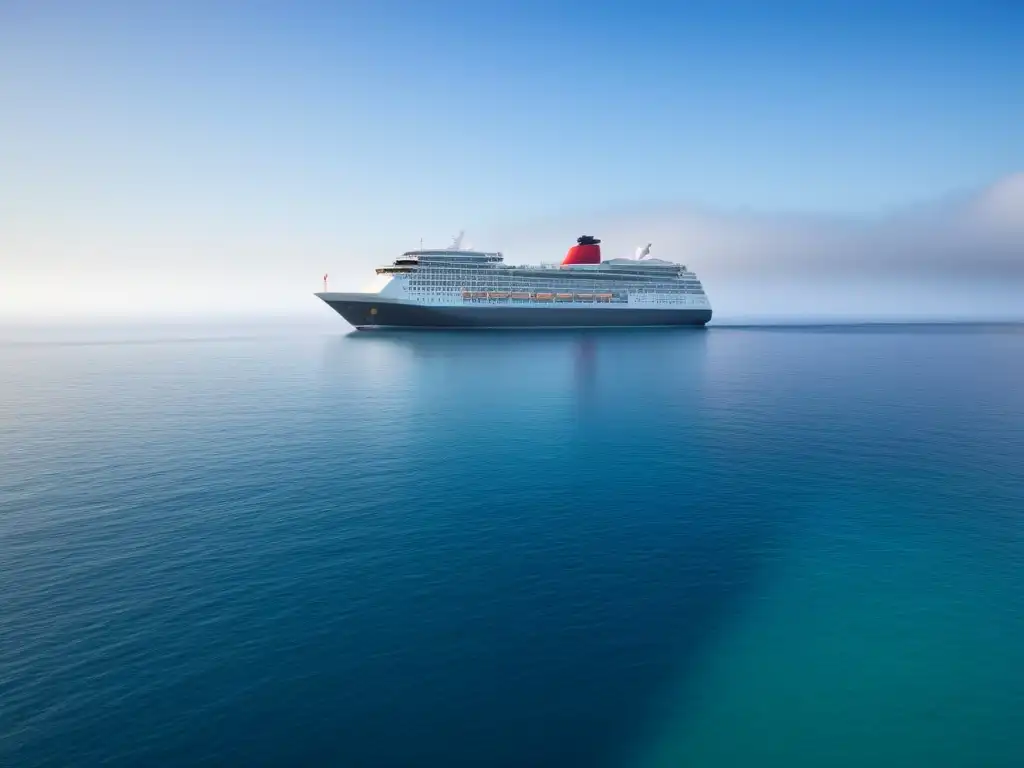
(954, 258)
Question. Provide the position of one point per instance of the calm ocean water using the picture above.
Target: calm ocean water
(731, 547)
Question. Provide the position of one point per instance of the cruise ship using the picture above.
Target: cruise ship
(463, 288)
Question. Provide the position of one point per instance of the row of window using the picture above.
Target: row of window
(504, 282)
(555, 300)
(555, 288)
(532, 272)
(519, 288)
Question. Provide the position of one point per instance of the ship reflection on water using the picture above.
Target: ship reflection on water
(586, 367)
(607, 375)
(653, 361)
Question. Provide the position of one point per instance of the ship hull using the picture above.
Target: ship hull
(372, 312)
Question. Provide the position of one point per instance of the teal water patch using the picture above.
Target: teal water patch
(880, 642)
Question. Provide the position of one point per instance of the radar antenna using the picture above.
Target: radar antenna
(457, 242)
(643, 253)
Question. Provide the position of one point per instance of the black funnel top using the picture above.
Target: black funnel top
(587, 240)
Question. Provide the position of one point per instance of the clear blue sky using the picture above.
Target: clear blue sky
(204, 119)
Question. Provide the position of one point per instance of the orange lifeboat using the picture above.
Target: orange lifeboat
(467, 294)
(604, 297)
(563, 296)
(520, 295)
(584, 297)
(543, 296)
(497, 295)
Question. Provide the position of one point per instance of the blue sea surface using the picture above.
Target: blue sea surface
(725, 547)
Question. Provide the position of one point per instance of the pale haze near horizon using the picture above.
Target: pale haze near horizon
(200, 160)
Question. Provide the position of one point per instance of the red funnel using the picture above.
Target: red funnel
(588, 251)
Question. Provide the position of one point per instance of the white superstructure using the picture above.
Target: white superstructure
(457, 277)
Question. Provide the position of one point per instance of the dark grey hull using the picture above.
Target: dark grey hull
(366, 314)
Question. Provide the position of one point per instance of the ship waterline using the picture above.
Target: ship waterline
(461, 288)
(371, 312)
